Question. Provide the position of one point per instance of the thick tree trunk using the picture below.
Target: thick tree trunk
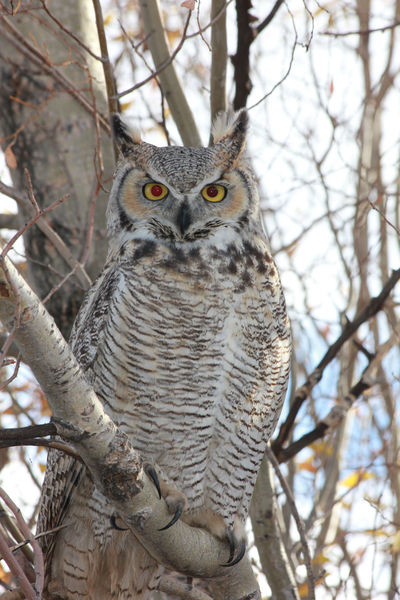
(53, 136)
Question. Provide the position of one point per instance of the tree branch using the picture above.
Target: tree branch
(269, 17)
(169, 81)
(113, 105)
(267, 537)
(299, 523)
(241, 60)
(374, 306)
(361, 31)
(219, 58)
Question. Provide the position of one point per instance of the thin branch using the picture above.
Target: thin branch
(282, 79)
(40, 213)
(27, 433)
(332, 419)
(113, 104)
(219, 59)
(269, 17)
(170, 83)
(383, 216)
(241, 60)
(361, 31)
(69, 33)
(17, 570)
(162, 66)
(299, 523)
(48, 231)
(38, 561)
(374, 306)
(156, 72)
(8, 524)
(33, 435)
(201, 30)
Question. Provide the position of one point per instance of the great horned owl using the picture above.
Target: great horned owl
(185, 338)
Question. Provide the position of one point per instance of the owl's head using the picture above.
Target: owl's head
(183, 194)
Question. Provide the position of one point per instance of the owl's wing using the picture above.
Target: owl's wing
(253, 387)
(63, 472)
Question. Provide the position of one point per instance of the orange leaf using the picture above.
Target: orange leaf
(308, 465)
(11, 161)
(5, 576)
(190, 4)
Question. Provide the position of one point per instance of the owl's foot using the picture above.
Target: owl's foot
(234, 544)
(215, 524)
(175, 500)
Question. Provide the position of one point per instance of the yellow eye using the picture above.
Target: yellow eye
(155, 191)
(213, 193)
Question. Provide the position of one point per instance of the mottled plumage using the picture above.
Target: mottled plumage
(186, 341)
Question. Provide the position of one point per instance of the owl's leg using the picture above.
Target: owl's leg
(175, 500)
(204, 519)
(215, 524)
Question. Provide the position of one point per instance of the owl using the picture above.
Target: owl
(185, 339)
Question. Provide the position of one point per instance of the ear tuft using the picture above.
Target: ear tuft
(229, 133)
(228, 123)
(124, 139)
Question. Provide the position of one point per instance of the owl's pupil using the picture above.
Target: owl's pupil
(156, 190)
(212, 191)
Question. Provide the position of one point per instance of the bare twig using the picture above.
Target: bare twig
(48, 231)
(361, 31)
(374, 306)
(112, 99)
(27, 433)
(33, 435)
(61, 26)
(170, 83)
(219, 59)
(40, 213)
(17, 570)
(261, 26)
(37, 551)
(299, 523)
(241, 60)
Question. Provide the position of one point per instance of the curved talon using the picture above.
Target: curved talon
(176, 516)
(114, 524)
(152, 473)
(232, 545)
(239, 557)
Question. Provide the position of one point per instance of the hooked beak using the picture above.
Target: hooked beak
(183, 219)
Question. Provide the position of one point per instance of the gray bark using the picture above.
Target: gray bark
(54, 137)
